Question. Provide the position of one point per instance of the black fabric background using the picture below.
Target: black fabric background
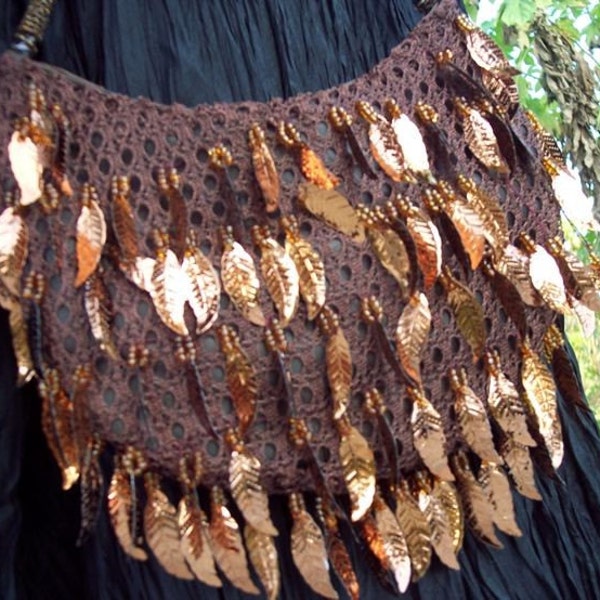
(202, 51)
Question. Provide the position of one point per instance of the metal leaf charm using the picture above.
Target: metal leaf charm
(377, 558)
(478, 510)
(540, 395)
(161, 529)
(468, 312)
(240, 280)
(472, 418)
(412, 332)
(338, 361)
(308, 549)
(193, 531)
(119, 508)
(264, 168)
(169, 185)
(505, 403)
(14, 240)
(204, 287)
(495, 483)
(309, 266)
(315, 171)
(263, 556)
(427, 240)
(122, 219)
(520, 467)
(248, 493)
(504, 91)
(280, 275)
(27, 167)
(358, 468)
(333, 209)
(514, 265)
(447, 494)
(20, 340)
(416, 531)
(98, 310)
(428, 435)
(91, 235)
(394, 543)
(227, 546)
(91, 485)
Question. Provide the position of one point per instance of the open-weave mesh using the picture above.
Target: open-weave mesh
(116, 135)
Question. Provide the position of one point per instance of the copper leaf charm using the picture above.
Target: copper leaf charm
(495, 483)
(27, 166)
(123, 220)
(514, 265)
(264, 168)
(98, 310)
(448, 496)
(91, 235)
(520, 467)
(14, 239)
(263, 556)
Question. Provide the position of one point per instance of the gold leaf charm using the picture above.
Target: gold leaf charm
(472, 418)
(280, 274)
(518, 460)
(264, 168)
(428, 435)
(412, 332)
(204, 291)
(540, 396)
(26, 162)
(333, 209)
(123, 220)
(99, 313)
(193, 531)
(161, 529)
(416, 530)
(549, 146)
(240, 376)
(495, 484)
(311, 165)
(20, 341)
(226, 544)
(480, 138)
(59, 426)
(263, 556)
(394, 543)
(169, 185)
(338, 360)
(505, 403)
(514, 265)
(120, 502)
(358, 467)
(431, 506)
(244, 481)
(384, 144)
(308, 549)
(309, 266)
(468, 312)
(91, 234)
(14, 240)
(240, 280)
(478, 510)
(427, 240)
(448, 496)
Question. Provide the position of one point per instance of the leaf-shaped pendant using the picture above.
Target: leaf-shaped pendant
(308, 549)
(204, 288)
(495, 483)
(246, 489)
(338, 361)
(518, 460)
(540, 395)
(309, 265)
(514, 265)
(358, 467)
(99, 313)
(14, 240)
(394, 543)
(263, 556)
(480, 138)
(122, 219)
(412, 332)
(505, 403)
(193, 531)
(472, 418)
(27, 167)
(264, 168)
(120, 499)
(62, 145)
(20, 341)
(478, 511)
(448, 496)
(169, 184)
(468, 312)
(332, 208)
(377, 558)
(226, 544)
(91, 234)
(161, 529)
(427, 240)
(442, 540)
(416, 530)
(428, 435)
(504, 91)
(240, 280)
(280, 274)
(91, 485)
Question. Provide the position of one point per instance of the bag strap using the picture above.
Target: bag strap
(33, 26)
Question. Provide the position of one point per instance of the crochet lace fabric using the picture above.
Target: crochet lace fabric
(114, 135)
